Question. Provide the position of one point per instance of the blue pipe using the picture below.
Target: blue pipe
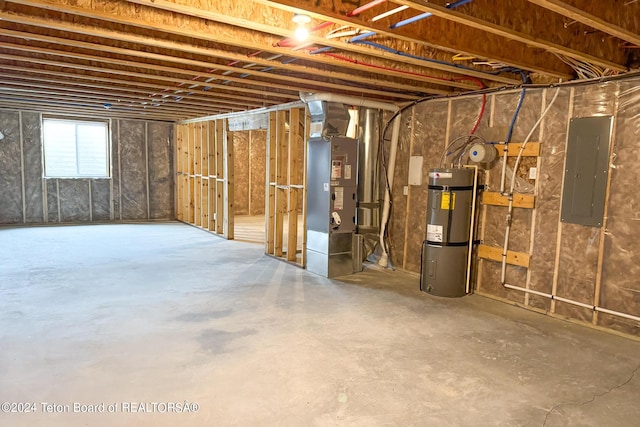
(321, 50)
(410, 20)
(422, 58)
(427, 14)
(515, 115)
(362, 36)
(408, 55)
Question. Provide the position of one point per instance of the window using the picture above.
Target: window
(74, 149)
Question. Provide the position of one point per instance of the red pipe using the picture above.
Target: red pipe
(484, 101)
(364, 7)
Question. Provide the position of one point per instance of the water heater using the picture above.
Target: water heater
(445, 250)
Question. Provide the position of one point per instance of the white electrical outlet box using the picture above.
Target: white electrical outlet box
(405, 190)
(533, 173)
(415, 170)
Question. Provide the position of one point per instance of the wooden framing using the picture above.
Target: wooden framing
(520, 259)
(590, 17)
(532, 149)
(179, 60)
(218, 12)
(519, 200)
(270, 191)
(249, 71)
(281, 180)
(70, 78)
(204, 172)
(286, 140)
(294, 186)
(508, 33)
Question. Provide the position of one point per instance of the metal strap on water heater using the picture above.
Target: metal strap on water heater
(448, 188)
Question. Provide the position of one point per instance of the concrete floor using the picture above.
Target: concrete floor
(158, 313)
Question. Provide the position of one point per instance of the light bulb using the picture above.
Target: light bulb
(301, 34)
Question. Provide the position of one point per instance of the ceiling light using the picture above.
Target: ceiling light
(301, 32)
(301, 19)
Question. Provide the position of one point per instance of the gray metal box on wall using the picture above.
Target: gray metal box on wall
(331, 205)
(587, 166)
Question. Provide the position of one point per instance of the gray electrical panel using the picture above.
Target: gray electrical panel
(587, 166)
(331, 205)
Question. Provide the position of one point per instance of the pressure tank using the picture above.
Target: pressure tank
(445, 250)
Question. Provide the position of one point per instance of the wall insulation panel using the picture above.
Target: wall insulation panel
(160, 170)
(595, 266)
(140, 186)
(621, 262)
(53, 207)
(133, 169)
(436, 128)
(32, 152)
(554, 134)
(398, 220)
(100, 199)
(75, 203)
(10, 168)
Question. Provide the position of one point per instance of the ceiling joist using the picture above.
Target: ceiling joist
(188, 58)
(591, 14)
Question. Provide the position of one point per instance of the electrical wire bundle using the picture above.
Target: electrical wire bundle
(585, 70)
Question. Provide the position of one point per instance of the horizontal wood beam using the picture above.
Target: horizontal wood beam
(470, 41)
(104, 95)
(589, 17)
(217, 12)
(158, 68)
(235, 69)
(532, 149)
(47, 96)
(236, 101)
(520, 259)
(73, 111)
(211, 33)
(508, 33)
(113, 71)
(519, 200)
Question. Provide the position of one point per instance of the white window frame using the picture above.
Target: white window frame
(76, 122)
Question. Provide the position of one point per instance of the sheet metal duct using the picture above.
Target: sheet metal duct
(369, 124)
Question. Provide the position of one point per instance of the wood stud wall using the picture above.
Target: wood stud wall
(285, 192)
(204, 168)
(205, 180)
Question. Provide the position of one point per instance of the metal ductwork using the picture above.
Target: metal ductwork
(369, 124)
